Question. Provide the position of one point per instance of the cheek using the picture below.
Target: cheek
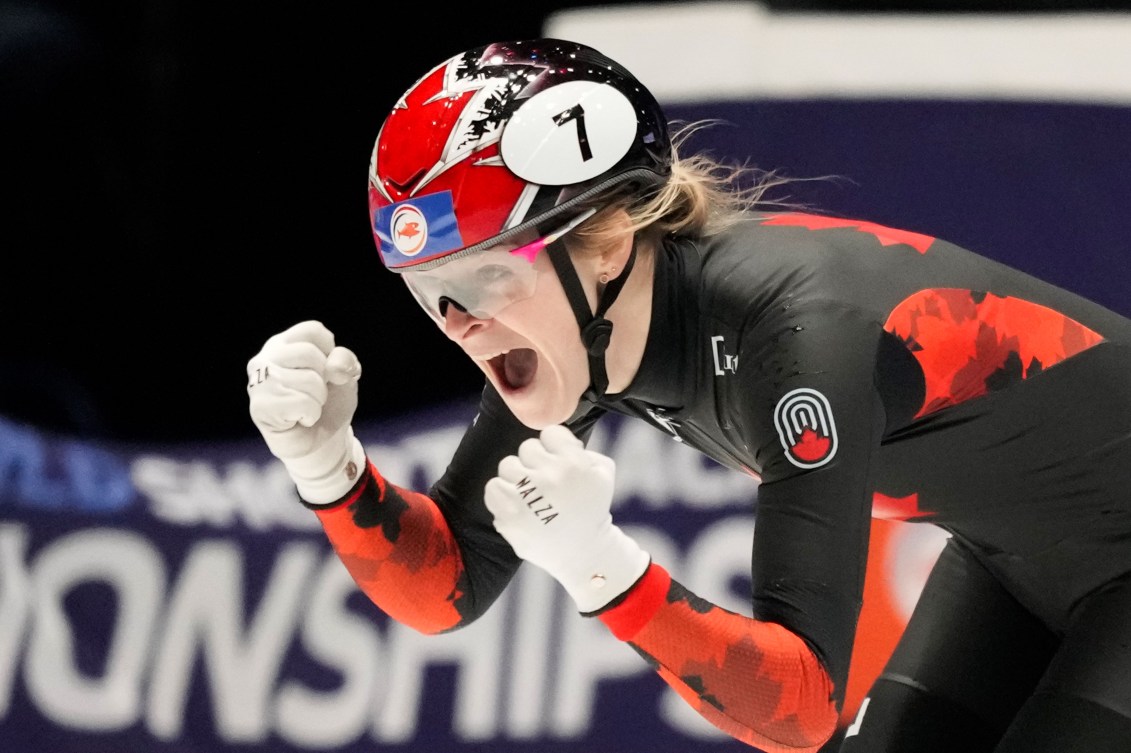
(549, 321)
(551, 328)
(549, 306)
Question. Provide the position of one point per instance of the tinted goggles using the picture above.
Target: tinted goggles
(485, 283)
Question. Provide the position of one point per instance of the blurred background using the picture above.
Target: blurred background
(180, 180)
(183, 179)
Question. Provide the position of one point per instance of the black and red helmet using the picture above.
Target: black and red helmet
(506, 137)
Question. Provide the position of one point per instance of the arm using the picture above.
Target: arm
(400, 551)
(755, 680)
(430, 561)
(777, 680)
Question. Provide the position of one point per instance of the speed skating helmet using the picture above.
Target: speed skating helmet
(506, 137)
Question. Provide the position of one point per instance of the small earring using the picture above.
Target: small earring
(603, 279)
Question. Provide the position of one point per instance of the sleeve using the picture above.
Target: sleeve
(431, 561)
(808, 407)
(814, 414)
(757, 681)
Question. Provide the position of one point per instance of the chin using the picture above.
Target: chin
(536, 417)
(535, 413)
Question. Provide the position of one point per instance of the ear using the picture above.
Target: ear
(613, 259)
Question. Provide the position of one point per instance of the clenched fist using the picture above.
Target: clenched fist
(552, 503)
(302, 391)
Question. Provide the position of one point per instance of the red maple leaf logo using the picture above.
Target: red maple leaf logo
(811, 446)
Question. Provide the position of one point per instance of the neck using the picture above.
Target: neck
(631, 315)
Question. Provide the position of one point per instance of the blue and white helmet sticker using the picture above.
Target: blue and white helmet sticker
(417, 229)
(804, 420)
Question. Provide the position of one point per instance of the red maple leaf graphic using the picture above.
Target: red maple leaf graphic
(409, 229)
(811, 446)
(887, 236)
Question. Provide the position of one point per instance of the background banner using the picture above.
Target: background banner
(181, 599)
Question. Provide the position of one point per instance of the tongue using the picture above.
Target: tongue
(519, 366)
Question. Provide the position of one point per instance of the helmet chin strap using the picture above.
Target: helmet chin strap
(596, 330)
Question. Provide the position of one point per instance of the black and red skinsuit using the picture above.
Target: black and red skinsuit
(857, 370)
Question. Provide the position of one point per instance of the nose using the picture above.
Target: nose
(458, 323)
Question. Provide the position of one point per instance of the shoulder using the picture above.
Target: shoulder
(768, 264)
(819, 241)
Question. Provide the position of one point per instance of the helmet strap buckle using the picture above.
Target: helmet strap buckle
(596, 330)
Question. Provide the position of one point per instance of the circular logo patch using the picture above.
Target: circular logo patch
(408, 229)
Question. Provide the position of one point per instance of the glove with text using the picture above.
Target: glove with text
(551, 502)
(303, 394)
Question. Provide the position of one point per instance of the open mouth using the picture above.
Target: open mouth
(516, 368)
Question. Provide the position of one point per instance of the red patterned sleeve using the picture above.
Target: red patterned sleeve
(756, 681)
(399, 549)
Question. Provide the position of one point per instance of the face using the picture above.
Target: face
(530, 349)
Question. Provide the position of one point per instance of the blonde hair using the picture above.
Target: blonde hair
(702, 197)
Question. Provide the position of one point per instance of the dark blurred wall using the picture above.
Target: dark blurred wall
(182, 179)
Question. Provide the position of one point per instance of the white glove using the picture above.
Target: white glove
(303, 394)
(551, 503)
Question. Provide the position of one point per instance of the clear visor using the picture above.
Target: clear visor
(485, 283)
